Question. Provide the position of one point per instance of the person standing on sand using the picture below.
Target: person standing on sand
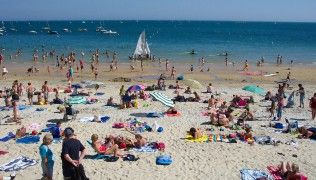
(95, 73)
(167, 64)
(81, 65)
(4, 72)
(72, 155)
(47, 156)
(16, 117)
(30, 92)
(301, 92)
(280, 106)
(226, 61)
(45, 91)
(141, 65)
(278, 59)
(1, 59)
(246, 66)
(312, 105)
(173, 72)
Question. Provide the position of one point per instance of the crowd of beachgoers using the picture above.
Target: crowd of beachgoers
(229, 114)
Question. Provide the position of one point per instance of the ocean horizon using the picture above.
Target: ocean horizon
(167, 39)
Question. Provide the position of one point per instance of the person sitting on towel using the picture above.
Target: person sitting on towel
(140, 141)
(110, 102)
(57, 131)
(196, 133)
(188, 90)
(107, 148)
(209, 88)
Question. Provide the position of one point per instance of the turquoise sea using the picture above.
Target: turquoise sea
(167, 39)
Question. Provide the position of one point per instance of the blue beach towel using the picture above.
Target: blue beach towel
(18, 164)
(250, 174)
(7, 137)
(104, 119)
(28, 140)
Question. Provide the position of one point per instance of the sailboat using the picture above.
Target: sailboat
(46, 28)
(142, 50)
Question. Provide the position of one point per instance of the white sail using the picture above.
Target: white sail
(142, 48)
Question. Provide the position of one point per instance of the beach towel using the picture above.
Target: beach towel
(189, 138)
(34, 126)
(96, 156)
(3, 152)
(251, 174)
(76, 100)
(154, 115)
(102, 119)
(173, 115)
(99, 94)
(17, 164)
(28, 140)
(147, 148)
(263, 139)
(7, 137)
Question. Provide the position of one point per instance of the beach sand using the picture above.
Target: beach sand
(214, 160)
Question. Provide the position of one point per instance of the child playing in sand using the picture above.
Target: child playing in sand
(56, 131)
(95, 73)
(272, 108)
(110, 102)
(107, 148)
(47, 156)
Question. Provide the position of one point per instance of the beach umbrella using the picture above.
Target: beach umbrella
(254, 89)
(192, 83)
(162, 98)
(136, 88)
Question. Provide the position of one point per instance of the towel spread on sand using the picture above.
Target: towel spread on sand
(18, 164)
(28, 140)
(251, 174)
(154, 115)
(146, 148)
(96, 156)
(102, 119)
(189, 138)
(7, 137)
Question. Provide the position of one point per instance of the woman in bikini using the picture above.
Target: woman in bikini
(105, 148)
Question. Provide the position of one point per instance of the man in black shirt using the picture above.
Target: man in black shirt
(72, 154)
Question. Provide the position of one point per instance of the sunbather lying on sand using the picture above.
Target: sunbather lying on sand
(220, 119)
(196, 133)
(290, 171)
(108, 147)
(140, 141)
(172, 110)
(307, 133)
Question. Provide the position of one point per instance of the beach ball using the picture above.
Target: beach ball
(160, 129)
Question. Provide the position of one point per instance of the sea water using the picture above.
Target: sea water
(167, 39)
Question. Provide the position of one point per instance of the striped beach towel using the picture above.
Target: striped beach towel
(18, 164)
(162, 98)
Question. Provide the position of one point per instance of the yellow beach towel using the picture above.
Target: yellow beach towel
(189, 138)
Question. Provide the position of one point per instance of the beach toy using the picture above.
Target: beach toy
(34, 132)
(160, 129)
(148, 128)
(180, 78)
(163, 160)
(232, 135)
(160, 146)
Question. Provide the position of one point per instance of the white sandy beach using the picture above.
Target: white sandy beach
(213, 160)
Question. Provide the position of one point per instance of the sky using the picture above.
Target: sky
(238, 10)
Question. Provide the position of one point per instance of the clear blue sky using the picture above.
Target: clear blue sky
(244, 10)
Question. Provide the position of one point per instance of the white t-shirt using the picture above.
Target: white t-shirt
(4, 70)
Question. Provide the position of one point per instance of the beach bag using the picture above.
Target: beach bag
(278, 126)
(160, 146)
(130, 157)
(163, 160)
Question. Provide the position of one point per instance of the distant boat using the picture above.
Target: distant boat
(83, 29)
(13, 29)
(52, 32)
(83, 22)
(46, 28)
(110, 32)
(99, 29)
(1, 30)
(142, 50)
(33, 32)
(66, 30)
